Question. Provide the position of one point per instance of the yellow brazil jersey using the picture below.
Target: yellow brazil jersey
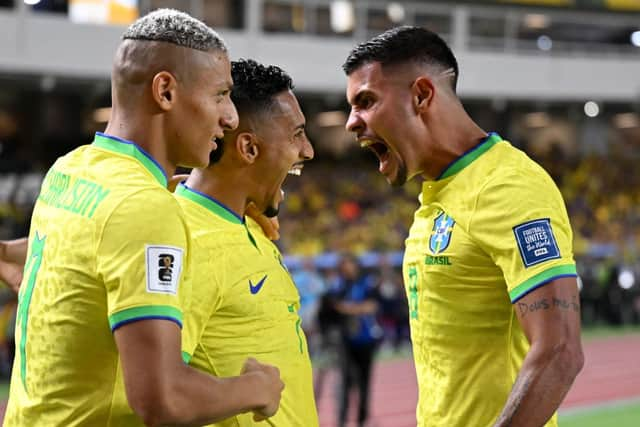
(244, 305)
(491, 229)
(106, 247)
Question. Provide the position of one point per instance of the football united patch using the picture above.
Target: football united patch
(536, 242)
(441, 234)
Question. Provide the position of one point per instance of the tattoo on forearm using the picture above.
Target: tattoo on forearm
(546, 304)
(519, 390)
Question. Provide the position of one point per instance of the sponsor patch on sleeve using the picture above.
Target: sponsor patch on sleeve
(164, 265)
(536, 242)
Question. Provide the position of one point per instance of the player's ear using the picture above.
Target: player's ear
(422, 91)
(163, 90)
(247, 147)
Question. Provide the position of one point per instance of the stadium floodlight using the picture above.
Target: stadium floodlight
(635, 38)
(537, 120)
(396, 12)
(536, 21)
(626, 279)
(31, 2)
(342, 16)
(591, 109)
(626, 120)
(545, 43)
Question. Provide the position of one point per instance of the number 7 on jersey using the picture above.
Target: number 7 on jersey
(26, 291)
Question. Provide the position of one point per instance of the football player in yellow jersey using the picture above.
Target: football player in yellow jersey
(245, 303)
(488, 266)
(104, 292)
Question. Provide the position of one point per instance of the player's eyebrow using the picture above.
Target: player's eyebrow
(357, 99)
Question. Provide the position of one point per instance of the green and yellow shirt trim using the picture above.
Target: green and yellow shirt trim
(470, 156)
(542, 279)
(128, 148)
(129, 315)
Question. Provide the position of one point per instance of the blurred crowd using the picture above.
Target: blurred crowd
(345, 206)
(344, 209)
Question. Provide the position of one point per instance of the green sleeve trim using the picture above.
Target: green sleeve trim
(165, 312)
(186, 357)
(541, 279)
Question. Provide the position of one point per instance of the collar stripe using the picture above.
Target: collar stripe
(128, 148)
(209, 203)
(470, 156)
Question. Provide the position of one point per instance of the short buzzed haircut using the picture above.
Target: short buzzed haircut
(404, 44)
(178, 28)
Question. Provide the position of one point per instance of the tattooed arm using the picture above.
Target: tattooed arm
(550, 317)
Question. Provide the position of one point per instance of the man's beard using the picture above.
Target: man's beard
(271, 212)
(401, 176)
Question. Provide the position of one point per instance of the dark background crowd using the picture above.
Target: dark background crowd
(343, 208)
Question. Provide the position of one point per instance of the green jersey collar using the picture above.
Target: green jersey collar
(470, 156)
(128, 148)
(209, 203)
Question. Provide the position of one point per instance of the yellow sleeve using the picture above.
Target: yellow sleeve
(521, 221)
(208, 277)
(141, 255)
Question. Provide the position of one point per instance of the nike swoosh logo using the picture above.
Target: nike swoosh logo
(255, 289)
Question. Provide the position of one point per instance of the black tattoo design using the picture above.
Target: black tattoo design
(545, 304)
(519, 390)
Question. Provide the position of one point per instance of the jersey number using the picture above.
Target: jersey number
(413, 292)
(292, 309)
(26, 292)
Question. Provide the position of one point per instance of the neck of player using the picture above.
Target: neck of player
(145, 135)
(224, 185)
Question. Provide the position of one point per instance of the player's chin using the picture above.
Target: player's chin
(196, 159)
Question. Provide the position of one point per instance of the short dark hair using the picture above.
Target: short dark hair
(404, 44)
(255, 87)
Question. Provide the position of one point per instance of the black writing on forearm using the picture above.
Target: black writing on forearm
(518, 392)
(546, 304)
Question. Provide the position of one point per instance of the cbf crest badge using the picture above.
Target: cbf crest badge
(441, 235)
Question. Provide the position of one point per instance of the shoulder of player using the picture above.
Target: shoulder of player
(142, 204)
(513, 170)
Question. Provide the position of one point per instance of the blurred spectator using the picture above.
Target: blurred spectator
(311, 287)
(355, 299)
(394, 310)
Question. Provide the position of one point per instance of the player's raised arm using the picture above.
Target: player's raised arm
(550, 318)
